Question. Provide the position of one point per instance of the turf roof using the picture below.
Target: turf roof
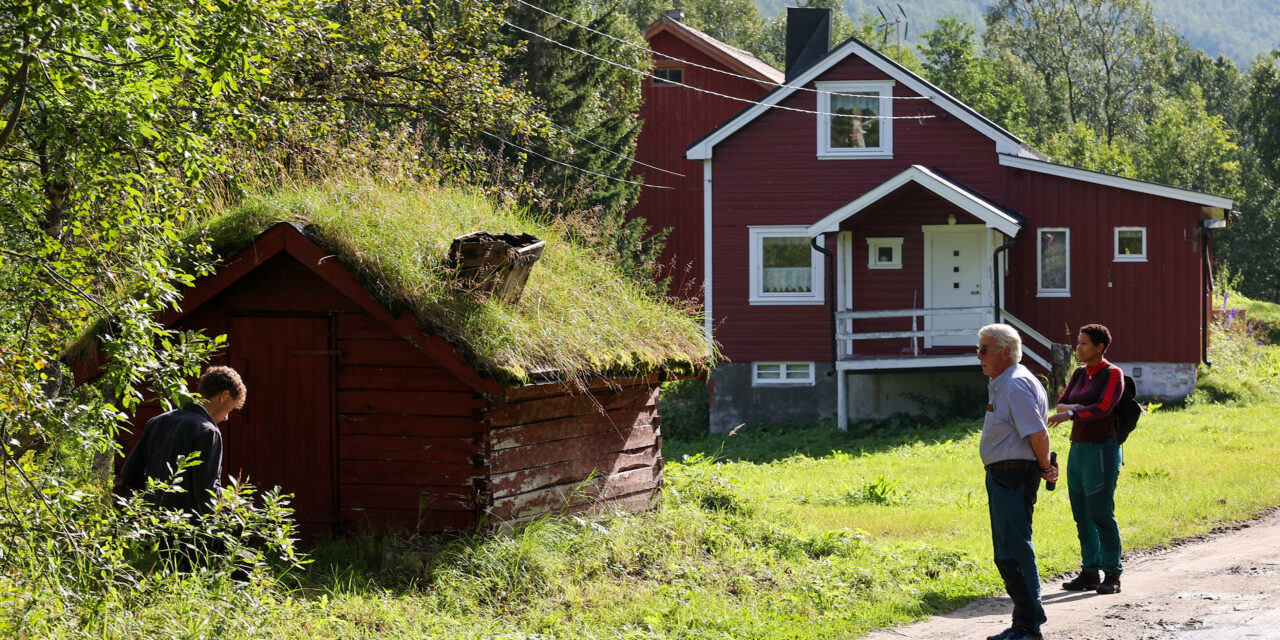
(578, 317)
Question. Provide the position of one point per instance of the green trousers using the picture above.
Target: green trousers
(1092, 471)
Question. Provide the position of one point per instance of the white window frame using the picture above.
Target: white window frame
(1140, 257)
(873, 253)
(885, 89)
(1052, 293)
(782, 380)
(756, 265)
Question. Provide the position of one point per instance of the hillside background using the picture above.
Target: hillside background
(1240, 29)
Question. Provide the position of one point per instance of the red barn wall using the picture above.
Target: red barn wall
(1154, 309)
(768, 173)
(675, 117)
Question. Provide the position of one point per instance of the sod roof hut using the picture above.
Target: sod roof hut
(383, 392)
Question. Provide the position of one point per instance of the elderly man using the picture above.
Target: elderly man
(1015, 451)
(181, 433)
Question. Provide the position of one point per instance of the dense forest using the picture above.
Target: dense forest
(1238, 29)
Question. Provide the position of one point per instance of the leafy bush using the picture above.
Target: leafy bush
(685, 406)
(1244, 370)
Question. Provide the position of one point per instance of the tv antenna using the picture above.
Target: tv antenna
(900, 25)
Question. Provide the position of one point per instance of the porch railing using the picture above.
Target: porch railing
(846, 338)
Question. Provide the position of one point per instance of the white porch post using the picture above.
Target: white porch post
(842, 399)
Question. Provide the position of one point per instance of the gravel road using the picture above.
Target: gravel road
(1221, 586)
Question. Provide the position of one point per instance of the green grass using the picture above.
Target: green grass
(1264, 316)
(578, 316)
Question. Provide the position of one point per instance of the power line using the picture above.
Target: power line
(702, 66)
(707, 91)
(566, 164)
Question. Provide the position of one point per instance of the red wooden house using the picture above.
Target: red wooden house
(369, 418)
(936, 221)
(675, 116)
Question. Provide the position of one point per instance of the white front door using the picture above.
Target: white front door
(956, 256)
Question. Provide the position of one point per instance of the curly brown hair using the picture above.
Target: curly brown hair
(215, 380)
(1098, 334)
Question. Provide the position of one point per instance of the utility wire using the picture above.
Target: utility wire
(702, 66)
(566, 164)
(707, 91)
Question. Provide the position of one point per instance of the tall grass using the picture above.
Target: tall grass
(578, 316)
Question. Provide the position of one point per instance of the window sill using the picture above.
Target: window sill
(1131, 259)
(797, 383)
(1053, 294)
(777, 302)
(870, 155)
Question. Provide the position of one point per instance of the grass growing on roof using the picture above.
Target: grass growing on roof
(578, 316)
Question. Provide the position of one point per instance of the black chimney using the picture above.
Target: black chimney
(675, 14)
(808, 37)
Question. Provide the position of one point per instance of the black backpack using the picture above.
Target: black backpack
(1127, 411)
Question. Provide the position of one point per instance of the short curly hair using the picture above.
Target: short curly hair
(1098, 334)
(215, 380)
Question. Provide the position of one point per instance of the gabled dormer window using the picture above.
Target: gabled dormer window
(853, 120)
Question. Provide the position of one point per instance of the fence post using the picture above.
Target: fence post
(1061, 359)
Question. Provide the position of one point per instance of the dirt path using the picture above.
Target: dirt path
(1226, 585)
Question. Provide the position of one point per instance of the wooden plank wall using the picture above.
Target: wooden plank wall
(554, 451)
(408, 435)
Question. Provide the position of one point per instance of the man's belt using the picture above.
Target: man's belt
(1014, 465)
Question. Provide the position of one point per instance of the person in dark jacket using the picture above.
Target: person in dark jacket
(1093, 465)
(181, 433)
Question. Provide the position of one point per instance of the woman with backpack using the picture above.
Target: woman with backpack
(1093, 465)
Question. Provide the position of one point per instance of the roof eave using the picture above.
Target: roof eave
(1129, 184)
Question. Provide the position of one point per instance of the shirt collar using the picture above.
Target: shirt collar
(1102, 364)
(999, 381)
(198, 408)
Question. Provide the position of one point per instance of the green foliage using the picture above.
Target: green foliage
(685, 408)
(951, 61)
(1188, 147)
(1080, 146)
(1243, 370)
(577, 317)
(1100, 62)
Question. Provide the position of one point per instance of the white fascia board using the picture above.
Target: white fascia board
(1129, 184)
(1005, 142)
(993, 217)
(706, 252)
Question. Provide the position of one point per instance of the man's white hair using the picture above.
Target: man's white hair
(1006, 337)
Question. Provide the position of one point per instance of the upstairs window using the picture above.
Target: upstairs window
(668, 77)
(1053, 264)
(1131, 244)
(785, 269)
(853, 119)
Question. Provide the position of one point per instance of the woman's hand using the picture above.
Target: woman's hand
(1058, 418)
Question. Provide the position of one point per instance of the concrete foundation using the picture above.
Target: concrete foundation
(735, 401)
(1163, 380)
(880, 394)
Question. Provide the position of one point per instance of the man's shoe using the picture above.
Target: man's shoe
(1110, 584)
(1023, 633)
(1086, 581)
(1003, 635)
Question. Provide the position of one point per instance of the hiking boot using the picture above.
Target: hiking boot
(1023, 633)
(1086, 581)
(1110, 584)
(1003, 635)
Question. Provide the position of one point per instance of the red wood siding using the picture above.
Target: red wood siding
(543, 450)
(1155, 309)
(675, 117)
(768, 173)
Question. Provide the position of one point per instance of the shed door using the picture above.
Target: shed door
(955, 279)
(284, 434)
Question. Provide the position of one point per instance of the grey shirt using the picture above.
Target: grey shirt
(1018, 407)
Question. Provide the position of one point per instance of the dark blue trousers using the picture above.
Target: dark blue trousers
(1011, 498)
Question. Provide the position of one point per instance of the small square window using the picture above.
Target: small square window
(1131, 244)
(884, 253)
(781, 373)
(668, 77)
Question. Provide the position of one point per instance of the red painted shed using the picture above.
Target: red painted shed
(370, 419)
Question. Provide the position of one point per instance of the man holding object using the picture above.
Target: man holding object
(1015, 452)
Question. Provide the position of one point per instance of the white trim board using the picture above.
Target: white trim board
(947, 190)
(1005, 142)
(1106, 179)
